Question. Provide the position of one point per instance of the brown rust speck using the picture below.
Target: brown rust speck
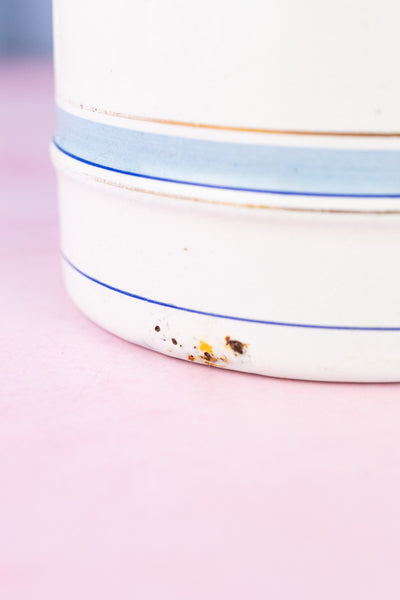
(157, 328)
(209, 358)
(235, 345)
(173, 340)
(191, 357)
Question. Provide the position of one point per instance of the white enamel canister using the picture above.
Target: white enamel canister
(229, 179)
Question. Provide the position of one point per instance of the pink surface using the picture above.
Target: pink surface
(129, 475)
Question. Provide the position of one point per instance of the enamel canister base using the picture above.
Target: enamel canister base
(288, 293)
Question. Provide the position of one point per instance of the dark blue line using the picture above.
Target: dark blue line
(222, 187)
(210, 314)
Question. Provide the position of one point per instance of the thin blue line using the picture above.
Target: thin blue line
(222, 187)
(210, 314)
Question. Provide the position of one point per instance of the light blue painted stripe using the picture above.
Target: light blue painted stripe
(221, 316)
(246, 167)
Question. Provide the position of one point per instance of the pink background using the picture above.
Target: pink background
(125, 474)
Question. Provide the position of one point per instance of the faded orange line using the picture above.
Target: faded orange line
(240, 206)
(357, 134)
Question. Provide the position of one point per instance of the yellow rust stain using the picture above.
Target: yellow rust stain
(204, 347)
(206, 356)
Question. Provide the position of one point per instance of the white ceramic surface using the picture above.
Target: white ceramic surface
(230, 183)
(311, 65)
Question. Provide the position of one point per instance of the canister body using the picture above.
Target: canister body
(229, 180)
